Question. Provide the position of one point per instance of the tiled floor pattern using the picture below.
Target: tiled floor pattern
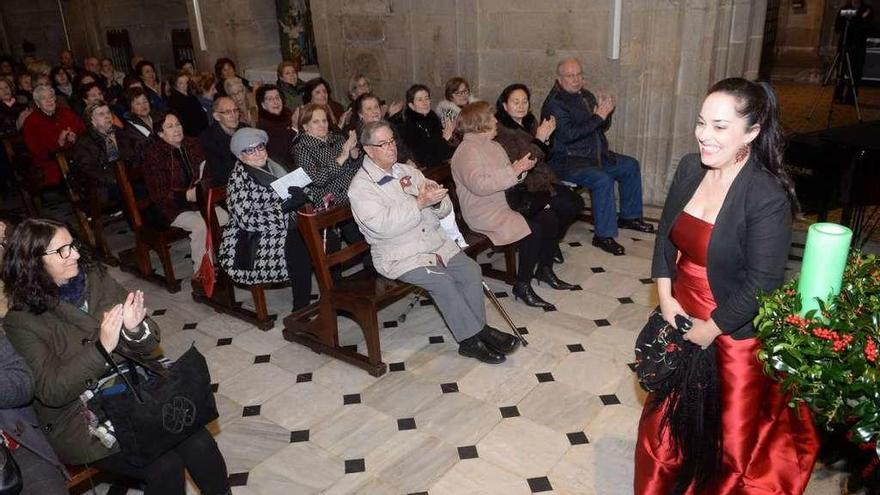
(559, 416)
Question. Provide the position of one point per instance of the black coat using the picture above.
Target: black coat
(192, 115)
(219, 160)
(423, 137)
(749, 244)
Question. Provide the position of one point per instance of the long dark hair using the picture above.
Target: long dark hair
(757, 104)
(26, 282)
(529, 122)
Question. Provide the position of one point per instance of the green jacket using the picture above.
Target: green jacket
(59, 346)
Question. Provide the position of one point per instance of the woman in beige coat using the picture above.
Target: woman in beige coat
(482, 173)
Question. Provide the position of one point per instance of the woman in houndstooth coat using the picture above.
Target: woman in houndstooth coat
(261, 243)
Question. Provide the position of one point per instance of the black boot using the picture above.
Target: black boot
(524, 291)
(498, 340)
(545, 274)
(474, 347)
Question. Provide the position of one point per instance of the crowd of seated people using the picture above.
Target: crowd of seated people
(507, 164)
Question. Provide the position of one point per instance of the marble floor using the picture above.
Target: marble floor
(559, 416)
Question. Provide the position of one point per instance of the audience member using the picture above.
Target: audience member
(224, 69)
(87, 93)
(10, 109)
(7, 66)
(138, 122)
(457, 94)
(261, 243)
(64, 305)
(186, 106)
(276, 121)
(41, 471)
(187, 66)
(215, 141)
(325, 155)
(48, 129)
(519, 133)
(244, 101)
(290, 85)
(206, 90)
(61, 82)
(482, 173)
(92, 65)
(68, 64)
(173, 167)
(24, 88)
(146, 73)
(367, 109)
(420, 129)
(318, 91)
(580, 154)
(95, 153)
(111, 77)
(398, 211)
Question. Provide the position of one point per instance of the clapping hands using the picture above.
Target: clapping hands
(430, 193)
(546, 129)
(524, 164)
(605, 105)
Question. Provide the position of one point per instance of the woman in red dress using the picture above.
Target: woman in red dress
(724, 236)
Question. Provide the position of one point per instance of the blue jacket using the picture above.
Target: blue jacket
(579, 140)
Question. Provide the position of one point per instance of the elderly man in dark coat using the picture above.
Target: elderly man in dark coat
(215, 141)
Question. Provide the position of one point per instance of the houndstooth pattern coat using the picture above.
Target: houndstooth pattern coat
(254, 207)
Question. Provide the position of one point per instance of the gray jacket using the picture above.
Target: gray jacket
(401, 236)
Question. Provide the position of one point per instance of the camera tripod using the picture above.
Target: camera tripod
(841, 70)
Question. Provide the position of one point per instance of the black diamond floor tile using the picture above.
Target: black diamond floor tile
(523, 330)
(625, 300)
(215, 387)
(303, 377)
(190, 326)
(389, 324)
(549, 309)
(426, 302)
(262, 358)
(404, 424)
(313, 297)
(632, 366)
(468, 452)
(577, 438)
(509, 411)
(159, 312)
(575, 348)
(355, 466)
(575, 244)
(350, 348)
(544, 377)
(501, 294)
(541, 484)
(401, 366)
(609, 400)
(597, 269)
(224, 341)
(238, 479)
(448, 388)
(250, 411)
(602, 323)
(299, 436)
(351, 399)
(417, 493)
(436, 339)
(646, 281)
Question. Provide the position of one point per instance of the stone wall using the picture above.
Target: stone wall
(798, 32)
(671, 51)
(37, 21)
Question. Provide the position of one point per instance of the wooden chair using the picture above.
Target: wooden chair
(147, 237)
(223, 299)
(92, 213)
(79, 475)
(24, 173)
(359, 296)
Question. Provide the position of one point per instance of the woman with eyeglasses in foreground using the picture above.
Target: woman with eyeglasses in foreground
(62, 305)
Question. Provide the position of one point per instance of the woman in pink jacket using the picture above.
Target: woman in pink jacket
(482, 173)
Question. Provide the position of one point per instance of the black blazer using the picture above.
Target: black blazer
(749, 244)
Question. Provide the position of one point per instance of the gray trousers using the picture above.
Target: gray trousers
(457, 292)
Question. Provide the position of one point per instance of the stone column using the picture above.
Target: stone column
(244, 30)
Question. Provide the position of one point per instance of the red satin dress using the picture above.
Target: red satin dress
(768, 448)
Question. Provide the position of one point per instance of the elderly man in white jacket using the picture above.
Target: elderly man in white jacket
(398, 210)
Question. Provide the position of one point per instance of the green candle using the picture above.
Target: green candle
(824, 260)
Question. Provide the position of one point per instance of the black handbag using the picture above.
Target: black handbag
(660, 350)
(151, 417)
(524, 202)
(10, 474)
(246, 245)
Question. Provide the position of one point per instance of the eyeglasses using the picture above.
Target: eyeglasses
(463, 92)
(250, 150)
(64, 251)
(385, 144)
(228, 112)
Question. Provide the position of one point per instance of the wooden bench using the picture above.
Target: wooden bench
(359, 296)
(79, 475)
(147, 237)
(92, 213)
(223, 299)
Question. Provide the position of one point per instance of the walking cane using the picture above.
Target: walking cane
(504, 314)
(418, 293)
